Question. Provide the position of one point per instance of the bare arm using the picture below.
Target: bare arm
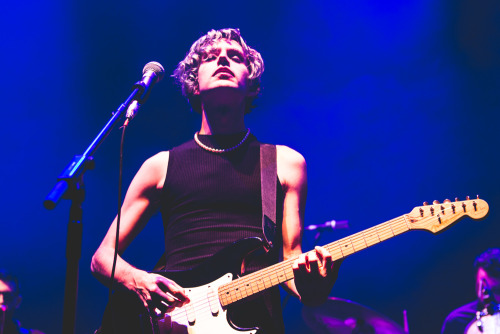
(314, 271)
(140, 203)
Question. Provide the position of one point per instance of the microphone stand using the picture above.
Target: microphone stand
(70, 186)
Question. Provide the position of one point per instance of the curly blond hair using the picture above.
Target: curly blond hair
(186, 73)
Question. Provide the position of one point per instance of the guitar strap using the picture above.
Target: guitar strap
(268, 177)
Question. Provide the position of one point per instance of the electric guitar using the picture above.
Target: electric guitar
(215, 285)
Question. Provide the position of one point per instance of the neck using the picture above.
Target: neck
(222, 121)
(222, 112)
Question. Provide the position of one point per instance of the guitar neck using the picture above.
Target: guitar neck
(281, 272)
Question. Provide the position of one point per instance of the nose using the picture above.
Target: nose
(223, 61)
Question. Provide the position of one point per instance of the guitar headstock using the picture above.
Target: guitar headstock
(438, 216)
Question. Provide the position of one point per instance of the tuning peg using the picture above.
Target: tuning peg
(477, 196)
(456, 199)
(425, 203)
(435, 201)
(467, 197)
(447, 201)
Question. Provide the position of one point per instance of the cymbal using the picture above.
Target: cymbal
(341, 316)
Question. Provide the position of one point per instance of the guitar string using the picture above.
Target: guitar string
(251, 281)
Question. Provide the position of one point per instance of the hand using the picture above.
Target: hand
(157, 291)
(314, 275)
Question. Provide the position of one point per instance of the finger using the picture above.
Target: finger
(295, 265)
(175, 290)
(158, 307)
(299, 265)
(302, 262)
(170, 296)
(312, 262)
(325, 257)
(145, 297)
(180, 294)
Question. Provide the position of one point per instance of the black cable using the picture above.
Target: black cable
(2, 323)
(120, 176)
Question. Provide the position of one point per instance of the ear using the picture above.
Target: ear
(252, 93)
(17, 302)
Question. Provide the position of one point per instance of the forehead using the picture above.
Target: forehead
(226, 44)
(4, 287)
(482, 274)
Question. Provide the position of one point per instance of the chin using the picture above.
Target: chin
(227, 87)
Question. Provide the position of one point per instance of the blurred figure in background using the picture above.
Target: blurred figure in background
(10, 299)
(480, 315)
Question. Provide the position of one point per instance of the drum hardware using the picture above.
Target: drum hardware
(488, 315)
(487, 321)
(342, 316)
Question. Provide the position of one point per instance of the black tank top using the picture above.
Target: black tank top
(211, 200)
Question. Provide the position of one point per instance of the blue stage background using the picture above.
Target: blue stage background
(392, 103)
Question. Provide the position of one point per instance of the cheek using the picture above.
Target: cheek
(244, 75)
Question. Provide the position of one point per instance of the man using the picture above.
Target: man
(208, 190)
(487, 269)
(10, 300)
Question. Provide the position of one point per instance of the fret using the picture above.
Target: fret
(346, 246)
(371, 237)
(358, 242)
(401, 226)
(382, 232)
(335, 250)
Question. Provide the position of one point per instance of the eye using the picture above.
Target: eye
(237, 58)
(208, 57)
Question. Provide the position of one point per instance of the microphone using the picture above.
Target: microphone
(152, 73)
(332, 224)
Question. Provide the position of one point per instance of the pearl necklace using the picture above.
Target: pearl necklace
(219, 150)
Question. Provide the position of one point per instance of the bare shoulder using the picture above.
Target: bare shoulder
(154, 169)
(158, 160)
(291, 166)
(288, 157)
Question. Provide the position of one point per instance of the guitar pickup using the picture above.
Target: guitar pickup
(190, 314)
(213, 301)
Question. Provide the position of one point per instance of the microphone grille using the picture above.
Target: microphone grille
(156, 68)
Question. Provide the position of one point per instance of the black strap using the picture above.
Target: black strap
(268, 177)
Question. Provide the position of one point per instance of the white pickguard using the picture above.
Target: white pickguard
(203, 314)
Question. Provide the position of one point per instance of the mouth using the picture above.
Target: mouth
(224, 70)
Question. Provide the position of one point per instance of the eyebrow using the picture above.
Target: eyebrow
(230, 48)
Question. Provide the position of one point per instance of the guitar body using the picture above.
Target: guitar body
(203, 315)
